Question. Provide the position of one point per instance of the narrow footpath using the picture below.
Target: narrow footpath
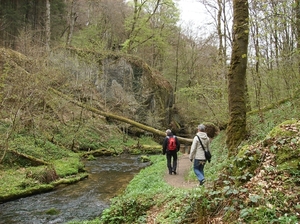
(178, 180)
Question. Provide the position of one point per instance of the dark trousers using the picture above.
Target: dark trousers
(170, 155)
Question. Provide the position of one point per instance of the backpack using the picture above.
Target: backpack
(171, 143)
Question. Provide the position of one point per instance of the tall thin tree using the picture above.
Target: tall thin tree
(72, 19)
(297, 9)
(236, 129)
(48, 33)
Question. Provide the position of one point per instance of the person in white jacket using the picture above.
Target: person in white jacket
(197, 153)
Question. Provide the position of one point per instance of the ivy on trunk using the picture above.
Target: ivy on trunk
(236, 129)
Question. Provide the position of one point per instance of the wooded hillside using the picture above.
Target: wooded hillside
(194, 63)
(76, 74)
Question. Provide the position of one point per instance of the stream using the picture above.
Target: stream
(84, 200)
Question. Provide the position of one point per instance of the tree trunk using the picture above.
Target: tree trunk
(256, 73)
(236, 129)
(48, 33)
(219, 28)
(72, 20)
(176, 67)
(297, 9)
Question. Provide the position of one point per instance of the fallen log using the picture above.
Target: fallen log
(119, 118)
(33, 160)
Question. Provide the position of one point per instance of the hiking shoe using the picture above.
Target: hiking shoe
(174, 172)
(202, 182)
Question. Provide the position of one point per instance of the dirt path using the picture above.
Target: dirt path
(178, 180)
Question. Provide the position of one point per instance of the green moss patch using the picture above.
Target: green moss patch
(246, 162)
(52, 211)
(68, 165)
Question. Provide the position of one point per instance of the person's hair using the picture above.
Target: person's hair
(201, 127)
(168, 131)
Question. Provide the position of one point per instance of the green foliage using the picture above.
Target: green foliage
(37, 147)
(95, 221)
(25, 181)
(140, 28)
(264, 214)
(6, 71)
(210, 102)
(259, 125)
(79, 136)
(250, 188)
(15, 12)
(256, 187)
(93, 42)
(145, 159)
(58, 21)
(11, 179)
(245, 163)
(26, 178)
(146, 140)
(135, 146)
(148, 189)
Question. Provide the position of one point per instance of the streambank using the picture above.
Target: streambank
(83, 200)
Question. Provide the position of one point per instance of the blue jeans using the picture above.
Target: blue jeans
(199, 169)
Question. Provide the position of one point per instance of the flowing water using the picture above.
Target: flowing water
(84, 200)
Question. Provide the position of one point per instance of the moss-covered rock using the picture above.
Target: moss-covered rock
(285, 129)
(282, 142)
(286, 146)
(246, 162)
(52, 211)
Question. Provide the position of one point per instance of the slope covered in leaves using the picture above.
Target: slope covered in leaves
(263, 183)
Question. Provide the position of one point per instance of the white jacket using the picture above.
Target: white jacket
(196, 149)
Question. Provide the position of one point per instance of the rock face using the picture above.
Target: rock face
(127, 86)
(131, 88)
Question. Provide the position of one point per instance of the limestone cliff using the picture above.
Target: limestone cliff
(121, 84)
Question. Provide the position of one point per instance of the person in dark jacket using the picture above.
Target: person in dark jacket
(171, 153)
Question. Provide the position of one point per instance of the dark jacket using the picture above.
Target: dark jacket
(166, 141)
